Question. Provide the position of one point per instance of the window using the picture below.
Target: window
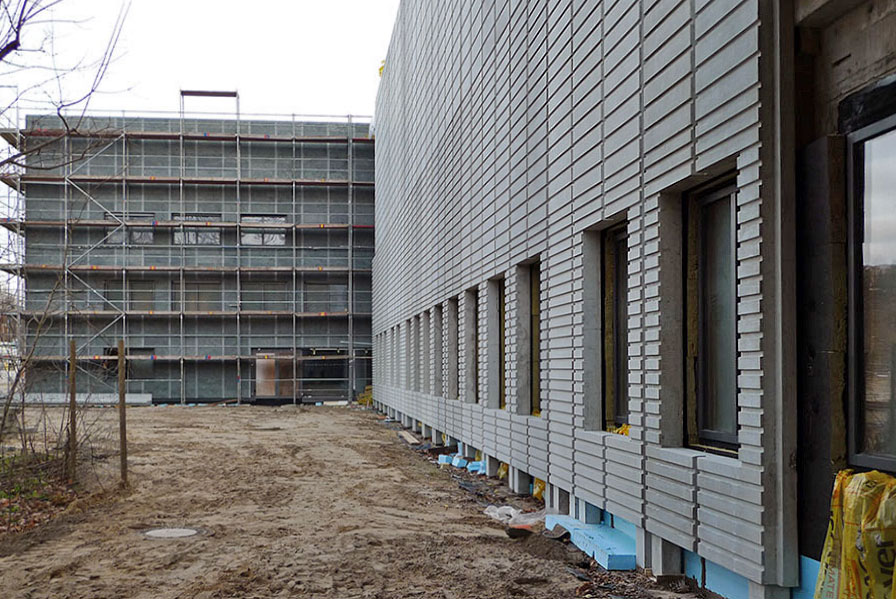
(198, 296)
(264, 234)
(535, 338)
(135, 235)
(496, 339)
(197, 235)
(139, 368)
(424, 352)
(141, 295)
(416, 353)
(437, 350)
(408, 352)
(453, 335)
(502, 345)
(113, 290)
(614, 314)
(326, 297)
(711, 318)
(264, 295)
(471, 338)
(872, 296)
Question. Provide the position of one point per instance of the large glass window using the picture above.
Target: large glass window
(712, 319)
(197, 234)
(264, 295)
(133, 235)
(325, 297)
(872, 295)
(264, 234)
(141, 295)
(198, 296)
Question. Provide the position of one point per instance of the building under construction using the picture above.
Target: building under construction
(231, 255)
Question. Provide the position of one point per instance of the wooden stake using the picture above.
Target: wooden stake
(122, 418)
(72, 408)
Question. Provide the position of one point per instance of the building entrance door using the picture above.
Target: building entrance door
(273, 375)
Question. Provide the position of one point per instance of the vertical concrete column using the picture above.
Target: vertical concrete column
(491, 466)
(519, 481)
(666, 557)
(436, 437)
(642, 548)
(467, 450)
(427, 431)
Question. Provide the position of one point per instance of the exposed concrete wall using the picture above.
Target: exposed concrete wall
(855, 46)
(505, 131)
(845, 47)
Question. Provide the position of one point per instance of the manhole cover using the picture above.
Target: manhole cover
(170, 533)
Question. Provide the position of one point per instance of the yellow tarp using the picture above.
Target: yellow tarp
(538, 489)
(860, 549)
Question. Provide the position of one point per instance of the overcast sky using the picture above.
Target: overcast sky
(299, 56)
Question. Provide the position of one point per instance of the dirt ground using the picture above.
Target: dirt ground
(293, 502)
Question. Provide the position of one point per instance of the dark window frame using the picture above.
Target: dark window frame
(472, 334)
(501, 288)
(614, 246)
(697, 200)
(855, 312)
(535, 403)
(453, 346)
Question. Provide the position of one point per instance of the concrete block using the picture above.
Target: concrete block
(560, 502)
(520, 482)
(643, 553)
(665, 557)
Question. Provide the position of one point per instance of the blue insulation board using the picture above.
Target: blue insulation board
(611, 548)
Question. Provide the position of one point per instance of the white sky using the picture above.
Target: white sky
(286, 57)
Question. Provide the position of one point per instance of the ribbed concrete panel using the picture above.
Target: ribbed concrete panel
(510, 131)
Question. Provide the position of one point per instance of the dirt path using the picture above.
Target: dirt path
(296, 502)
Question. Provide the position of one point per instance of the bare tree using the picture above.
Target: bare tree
(37, 69)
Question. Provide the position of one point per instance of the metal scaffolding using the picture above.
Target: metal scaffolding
(233, 254)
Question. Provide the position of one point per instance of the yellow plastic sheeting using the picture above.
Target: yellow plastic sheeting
(860, 549)
(623, 429)
(502, 470)
(538, 489)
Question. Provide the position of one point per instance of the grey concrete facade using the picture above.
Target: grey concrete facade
(510, 132)
(515, 132)
(232, 256)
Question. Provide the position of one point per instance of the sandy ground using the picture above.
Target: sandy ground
(294, 502)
